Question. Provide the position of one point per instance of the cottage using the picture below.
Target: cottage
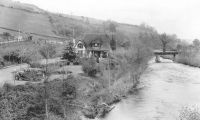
(19, 38)
(97, 45)
(79, 47)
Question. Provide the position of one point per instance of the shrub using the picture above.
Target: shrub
(36, 65)
(15, 57)
(89, 66)
(188, 113)
(48, 51)
(190, 56)
(60, 72)
(29, 75)
(1, 62)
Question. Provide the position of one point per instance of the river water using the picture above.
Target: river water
(165, 88)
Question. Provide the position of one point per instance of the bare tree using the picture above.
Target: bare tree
(164, 40)
(47, 52)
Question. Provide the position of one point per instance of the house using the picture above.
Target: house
(97, 45)
(19, 38)
(79, 47)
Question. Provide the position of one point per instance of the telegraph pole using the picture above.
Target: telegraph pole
(109, 69)
(18, 34)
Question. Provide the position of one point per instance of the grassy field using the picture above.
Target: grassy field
(25, 21)
(61, 25)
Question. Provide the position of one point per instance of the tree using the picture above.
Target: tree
(89, 66)
(179, 47)
(69, 52)
(47, 52)
(68, 92)
(112, 29)
(113, 43)
(164, 40)
(196, 43)
(6, 35)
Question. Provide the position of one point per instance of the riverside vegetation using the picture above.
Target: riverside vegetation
(71, 96)
(68, 96)
(190, 53)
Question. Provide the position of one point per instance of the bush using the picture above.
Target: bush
(60, 72)
(188, 113)
(2, 64)
(89, 66)
(189, 56)
(77, 61)
(36, 65)
(48, 51)
(29, 75)
(15, 57)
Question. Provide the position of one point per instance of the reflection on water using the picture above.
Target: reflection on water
(167, 88)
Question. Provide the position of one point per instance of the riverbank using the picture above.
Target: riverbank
(120, 90)
(166, 88)
(190, 61)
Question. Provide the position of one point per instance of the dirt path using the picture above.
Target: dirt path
(7, 76)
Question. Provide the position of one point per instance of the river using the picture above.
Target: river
(166, 88)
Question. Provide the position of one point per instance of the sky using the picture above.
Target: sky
(180, 17)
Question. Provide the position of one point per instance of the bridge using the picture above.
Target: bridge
(157, 53)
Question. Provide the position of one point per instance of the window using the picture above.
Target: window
(80, 53)
(80, 45)
(96, 45)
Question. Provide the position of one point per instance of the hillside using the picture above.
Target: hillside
(20, 6)
(30, 18)
(25, 21)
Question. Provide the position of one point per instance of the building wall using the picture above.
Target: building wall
(80, 50)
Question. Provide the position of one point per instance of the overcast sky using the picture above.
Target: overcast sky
(181, 17)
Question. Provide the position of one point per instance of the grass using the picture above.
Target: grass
(25, 21)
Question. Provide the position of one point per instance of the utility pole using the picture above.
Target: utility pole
(73, 33)
(18, 34)
(109, 69)
(22, 52)
(64, 109)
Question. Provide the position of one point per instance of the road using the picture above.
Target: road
(7, 76)
(166, 88)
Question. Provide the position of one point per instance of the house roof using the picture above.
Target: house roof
(104, 39)
(77, 41)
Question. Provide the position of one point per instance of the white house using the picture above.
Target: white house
(19, 38)
(79, 47)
